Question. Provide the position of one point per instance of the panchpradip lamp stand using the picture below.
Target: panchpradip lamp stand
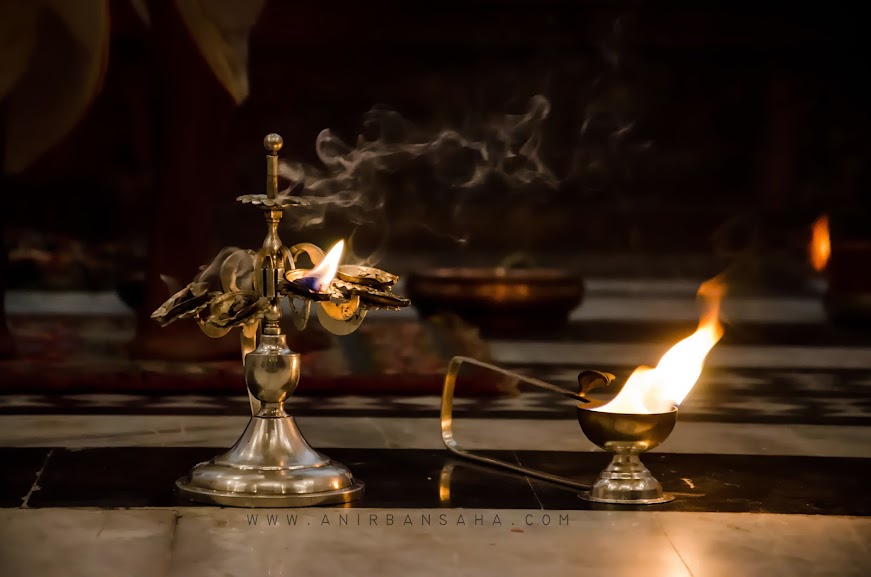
(272, 465)
(625, 481)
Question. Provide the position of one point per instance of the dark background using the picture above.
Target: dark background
(747, 121)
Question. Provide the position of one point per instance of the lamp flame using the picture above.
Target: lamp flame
(320, 277)
(821, 245)
(658, 390)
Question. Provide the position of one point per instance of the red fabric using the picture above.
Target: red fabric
(89, 355)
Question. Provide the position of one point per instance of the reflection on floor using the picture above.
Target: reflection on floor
(769, 462)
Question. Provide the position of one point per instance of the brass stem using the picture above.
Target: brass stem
(271, 175)
(272, 266)
(273, 144)
(272, 241)
(271, 320)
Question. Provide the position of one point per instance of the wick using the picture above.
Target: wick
(311, 283)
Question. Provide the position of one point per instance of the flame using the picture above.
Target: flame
(821, 245)
(325, 271)
(658, 390)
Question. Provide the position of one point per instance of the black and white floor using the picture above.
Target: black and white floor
(770, 461)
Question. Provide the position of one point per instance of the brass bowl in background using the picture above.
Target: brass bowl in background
(499, 300)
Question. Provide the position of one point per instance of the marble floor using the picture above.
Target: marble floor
(769, 462)
(186, 542)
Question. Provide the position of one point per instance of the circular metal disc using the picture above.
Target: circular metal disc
(213, 331)
(342, 311)
(341, 328)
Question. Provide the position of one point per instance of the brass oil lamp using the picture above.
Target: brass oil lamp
(272, 465)
(639, 418)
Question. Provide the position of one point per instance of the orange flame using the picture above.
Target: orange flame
(658, 390)
(821, 244)
(325, 271)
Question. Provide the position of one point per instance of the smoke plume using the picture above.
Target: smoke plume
(439, 170)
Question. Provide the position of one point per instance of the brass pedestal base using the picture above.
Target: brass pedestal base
(271, 465)
(626, 481)
(255, 501)
(666, 498)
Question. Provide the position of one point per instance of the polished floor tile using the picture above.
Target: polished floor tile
(421, 478)
(215, 542)
(114, 477)
(397, 478)
(769, 464)
(145, 477)
(20, 469)
(725, 545)
(224, 543)
(86, 431)
(722, 483)
(777, 397)
(78, 543)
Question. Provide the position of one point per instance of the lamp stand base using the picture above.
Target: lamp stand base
(626, 481)
(271, 465)
(666, 498)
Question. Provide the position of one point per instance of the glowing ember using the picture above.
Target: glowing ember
(320, 277)
(658, 390)
(820, 247)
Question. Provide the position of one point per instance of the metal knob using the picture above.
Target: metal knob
(273, 143)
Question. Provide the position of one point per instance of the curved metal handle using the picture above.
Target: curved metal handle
(447, 420)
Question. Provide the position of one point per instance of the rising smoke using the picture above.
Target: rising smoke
(434, 175)
(437, 170)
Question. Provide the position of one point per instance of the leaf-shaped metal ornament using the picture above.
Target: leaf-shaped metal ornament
(366, 275)
(370, 297)
(237, 272)
(383, 300)
(211, 331)
(234, 309)
(184, 304)
(340, 327)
